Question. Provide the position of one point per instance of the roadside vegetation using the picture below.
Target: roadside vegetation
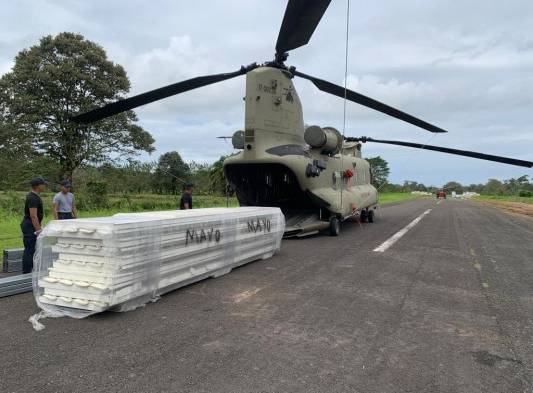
(509, 203)
(505, 198)
(390, 197)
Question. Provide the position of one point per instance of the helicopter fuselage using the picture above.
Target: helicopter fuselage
(276, 167)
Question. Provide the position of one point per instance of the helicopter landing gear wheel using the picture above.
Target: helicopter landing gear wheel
(363, 217)
(370, 216)
(334, 226)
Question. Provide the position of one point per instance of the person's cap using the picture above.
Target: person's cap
(66, 183)
(37, 181)
(189, 185)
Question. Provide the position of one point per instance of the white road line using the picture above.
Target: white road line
(394, 238)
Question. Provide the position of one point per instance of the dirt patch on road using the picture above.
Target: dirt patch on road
(525, 209)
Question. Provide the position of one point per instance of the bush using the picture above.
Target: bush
(12, 203)
(524, 193)
(97, 194)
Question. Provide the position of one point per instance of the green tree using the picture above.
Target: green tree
(494, 187)
(63, 76)
(411, 185)
(526, 187)
(13, 145)
(97, 194)
(217, 180)
(15, 148)
(380, 170)
(453, 186)
(515, 186)
(201, 177)
(171, 173)
(524, 179)
(474, 188)
(139, 176)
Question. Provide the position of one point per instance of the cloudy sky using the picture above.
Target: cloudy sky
(465, 66)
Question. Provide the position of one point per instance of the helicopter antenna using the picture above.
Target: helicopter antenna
(345, 89)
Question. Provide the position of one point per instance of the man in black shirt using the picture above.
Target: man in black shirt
(31, 223)
(186, 197)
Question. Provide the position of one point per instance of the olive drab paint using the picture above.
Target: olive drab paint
(274, 134)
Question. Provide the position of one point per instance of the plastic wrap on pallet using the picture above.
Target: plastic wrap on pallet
(85, 266)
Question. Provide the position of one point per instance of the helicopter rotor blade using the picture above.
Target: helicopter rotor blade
(361, 99)
(155, 95)
(299, 23)
(466, 153)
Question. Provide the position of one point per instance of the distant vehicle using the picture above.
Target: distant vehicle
(441, 194)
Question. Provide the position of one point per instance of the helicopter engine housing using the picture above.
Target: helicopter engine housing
(237, 140)
(328, 139)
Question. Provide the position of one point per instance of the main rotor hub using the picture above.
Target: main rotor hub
(280, 57)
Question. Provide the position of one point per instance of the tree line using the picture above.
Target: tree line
(167, 175)
(65, 75)
(521, 186)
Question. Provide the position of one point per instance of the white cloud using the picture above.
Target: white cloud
(465, 66)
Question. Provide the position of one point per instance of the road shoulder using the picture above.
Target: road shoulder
(515, 208)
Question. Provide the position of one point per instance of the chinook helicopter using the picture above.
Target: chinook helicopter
(317, 177)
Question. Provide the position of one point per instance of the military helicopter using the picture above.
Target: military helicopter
(317, 177)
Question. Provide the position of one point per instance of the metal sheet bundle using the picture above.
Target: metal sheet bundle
(121, 262)
(12, 260)
(15, 284)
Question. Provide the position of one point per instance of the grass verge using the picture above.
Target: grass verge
(504, 198)
(390, 197)
(516, 205)
(10, 235)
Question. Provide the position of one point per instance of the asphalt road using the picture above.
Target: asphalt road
(447, 308)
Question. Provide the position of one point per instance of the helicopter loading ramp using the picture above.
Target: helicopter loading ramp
(303, 224)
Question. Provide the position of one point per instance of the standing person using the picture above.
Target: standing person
(186, 197)
(31, 223)
(64, 207)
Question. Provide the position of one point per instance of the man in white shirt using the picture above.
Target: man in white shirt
(64, 207)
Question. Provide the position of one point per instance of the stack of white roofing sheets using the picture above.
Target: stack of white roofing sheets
(121, 262)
